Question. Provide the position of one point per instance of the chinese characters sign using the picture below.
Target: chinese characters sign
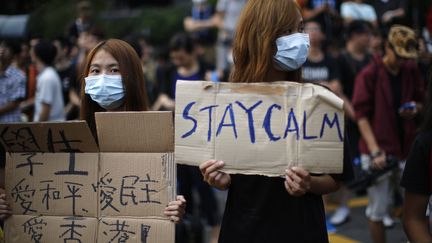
(61, 189)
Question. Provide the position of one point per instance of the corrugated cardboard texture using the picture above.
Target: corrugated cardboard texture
(57, 184)
(50, 137)
(49, 229)
(136, 184)
(291, 124)
(149, 132)
(84, 181)
(135, 230)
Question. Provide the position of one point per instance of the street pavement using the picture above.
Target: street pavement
(356, 229)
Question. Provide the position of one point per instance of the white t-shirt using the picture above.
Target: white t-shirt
(358, 11)
(49, 91)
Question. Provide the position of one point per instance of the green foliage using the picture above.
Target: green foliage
(52, 18)
(163, 22)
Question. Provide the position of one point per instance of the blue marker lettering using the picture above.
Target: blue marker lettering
(335, 121)
(210, 109)
(250, 118)
(291, 117)
(267, 122)
(186, 116)
(232, 124)
(305, 136)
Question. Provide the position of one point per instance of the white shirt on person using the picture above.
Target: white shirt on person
(358, 11)
(49, 91)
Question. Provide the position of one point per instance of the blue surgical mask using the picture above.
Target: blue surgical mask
(106, 90)
(292, 51)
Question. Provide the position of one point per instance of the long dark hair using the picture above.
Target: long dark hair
(427, 119)
(132, 77)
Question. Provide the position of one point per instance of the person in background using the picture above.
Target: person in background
(87, 41)
(149, 65)
(390, 12)
(388, 95)
(326, 13)
(376, 43)
(49, 104)
(202, 11)
(416, 179)
(270, 46)
(23, 59)
(67, 72)
(358, 10)
(353, 58)
(351, 61)
(113, 81)
(83, 22)
(27, 106)
(48, 92)
(12, 92)
(319, 67)
(12, 82)
(225, 19)
(205, 38)
(185, 65)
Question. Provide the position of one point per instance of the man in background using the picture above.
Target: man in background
(49, 104)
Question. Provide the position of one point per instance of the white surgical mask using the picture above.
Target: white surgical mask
(106, 90)
(292, 51)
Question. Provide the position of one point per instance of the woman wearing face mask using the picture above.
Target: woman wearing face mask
(114, 81)
(270, 46)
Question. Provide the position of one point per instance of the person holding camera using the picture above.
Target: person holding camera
(388, 96)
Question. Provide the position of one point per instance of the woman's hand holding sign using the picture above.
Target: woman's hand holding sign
(176, 209)
(5, 210)
(297, 181)
(213, 176)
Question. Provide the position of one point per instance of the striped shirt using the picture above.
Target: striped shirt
(12, 88)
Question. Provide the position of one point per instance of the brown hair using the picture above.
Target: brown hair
(132, 76)
(260, 24)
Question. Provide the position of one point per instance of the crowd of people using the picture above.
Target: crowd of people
(366, 52)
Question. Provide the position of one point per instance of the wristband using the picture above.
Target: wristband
(376, 154)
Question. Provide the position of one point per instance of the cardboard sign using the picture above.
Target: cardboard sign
(259, 128)
(135, 230)
(40, 229)
(57, 175)
(44, 184)
(52, 137)
(142, 188)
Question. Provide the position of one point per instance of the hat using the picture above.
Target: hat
(403, 41)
